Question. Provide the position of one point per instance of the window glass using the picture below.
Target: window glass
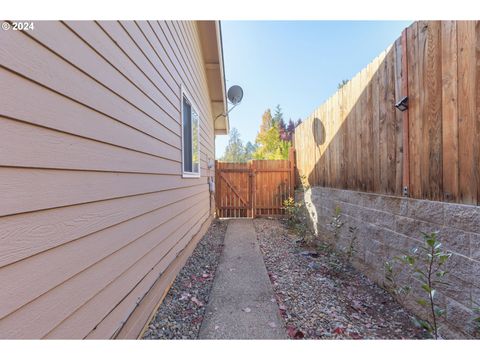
(190, 139)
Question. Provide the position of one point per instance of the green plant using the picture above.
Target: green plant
(351, 248)
(291, 209)
(427, 264)
(294, 211)
(336, 222)
(392, 283)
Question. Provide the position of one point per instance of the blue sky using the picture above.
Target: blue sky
(296, 64)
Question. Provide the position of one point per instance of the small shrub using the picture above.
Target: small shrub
(295, 220)
(392, 283)
(351, 249)
(336, 223)
(427, 264)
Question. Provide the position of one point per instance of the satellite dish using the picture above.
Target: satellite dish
(235, 94)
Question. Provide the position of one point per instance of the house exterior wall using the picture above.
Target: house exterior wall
(388, 226)
(94, 211)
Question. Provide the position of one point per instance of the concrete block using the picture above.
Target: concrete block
(460, 316)
(455, 240)
(475, 246)
(464, 217)
(426, 210)
(464, 268)
(413, 228)
(379, 218)
(396, 243)
(457, 289)
(392, 204)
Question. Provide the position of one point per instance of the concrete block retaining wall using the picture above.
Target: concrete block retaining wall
(386, 226)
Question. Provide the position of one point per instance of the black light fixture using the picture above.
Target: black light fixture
(402, 105)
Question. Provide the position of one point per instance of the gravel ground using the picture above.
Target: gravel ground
(321, 296)
(181, 312)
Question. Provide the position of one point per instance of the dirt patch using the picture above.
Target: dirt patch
(181, 312)
(321, 296)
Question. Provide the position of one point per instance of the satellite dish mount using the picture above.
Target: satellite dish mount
(234, 96)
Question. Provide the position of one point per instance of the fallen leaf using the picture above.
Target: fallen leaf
(185, 296)
(339, 330)
(247, 309)
(294, 333)
(196, 301)
(356, 336)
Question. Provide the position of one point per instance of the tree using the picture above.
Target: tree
(266, 121)
(234, 152)
(269, 144)
(342, 84)
(278, 115)
(278, 120)
(289, 130)
(249, 150)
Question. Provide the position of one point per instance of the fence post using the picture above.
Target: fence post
(253, 187)
(217, 190)
(291, 158)
(406, 154)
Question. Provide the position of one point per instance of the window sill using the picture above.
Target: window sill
(190, 175)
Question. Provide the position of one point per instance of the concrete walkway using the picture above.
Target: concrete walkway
(240, 305)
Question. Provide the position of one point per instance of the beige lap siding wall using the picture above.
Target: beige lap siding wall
(94, 211)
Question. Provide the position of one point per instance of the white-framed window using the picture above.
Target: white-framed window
(190, 137)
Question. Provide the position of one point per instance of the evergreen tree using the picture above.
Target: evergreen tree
(290, 127)
(278, 115)
(234, 152)
(249, 150)
(288, 131)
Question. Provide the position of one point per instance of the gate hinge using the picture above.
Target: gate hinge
(405, 191)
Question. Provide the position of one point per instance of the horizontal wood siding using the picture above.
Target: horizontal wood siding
(356, 139)
(94, 211)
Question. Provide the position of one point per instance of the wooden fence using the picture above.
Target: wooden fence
(358, 140)
(255, 188)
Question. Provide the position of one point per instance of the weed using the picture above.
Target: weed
(336, 223)
(295, 218)
(350, 250)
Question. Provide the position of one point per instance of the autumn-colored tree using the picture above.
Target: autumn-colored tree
(270, 145)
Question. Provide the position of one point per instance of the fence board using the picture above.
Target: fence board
(466, 110)
(449, 110)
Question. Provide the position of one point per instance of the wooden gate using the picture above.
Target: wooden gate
(254, 188)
